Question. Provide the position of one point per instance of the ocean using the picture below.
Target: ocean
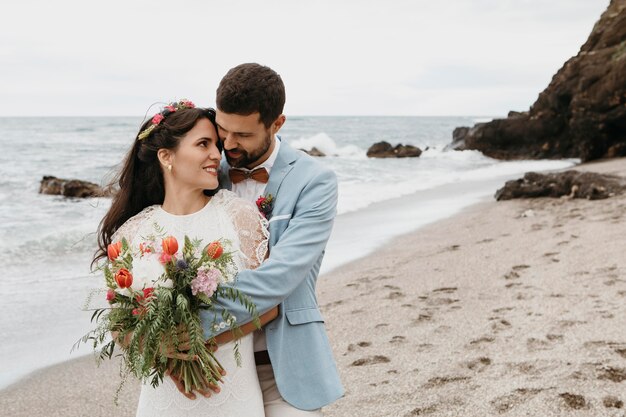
(46, 242)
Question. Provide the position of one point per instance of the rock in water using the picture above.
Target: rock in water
(385, 150)
(71, 188)
(574, 184)
(314, 152)
(581, 114)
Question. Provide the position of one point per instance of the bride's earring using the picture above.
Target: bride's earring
(169, 168)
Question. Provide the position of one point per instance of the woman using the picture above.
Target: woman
(174, 160)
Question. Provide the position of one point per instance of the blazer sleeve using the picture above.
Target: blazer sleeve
(291, 258)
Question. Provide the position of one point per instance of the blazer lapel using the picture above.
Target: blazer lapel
(283, 164)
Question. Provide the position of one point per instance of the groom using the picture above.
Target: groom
(295, 363)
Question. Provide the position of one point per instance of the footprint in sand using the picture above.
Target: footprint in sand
(526, 368)
(500, 324)
(611, 401)
(524, 296)
(398, 339)
(511, 275)
(484, 339)
(555, 337)
(621, 352)
(444, 380)
(520, 267)
(612, 374)
(442, 301)
(446, 290)
(507, 402)
(478, 364)
(573, 401)
(394, 295)
(392, 287)
(534, 344)
(570, 323)
(371, 360)
(485, 240)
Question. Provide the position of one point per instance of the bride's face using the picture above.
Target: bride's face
(196, 160)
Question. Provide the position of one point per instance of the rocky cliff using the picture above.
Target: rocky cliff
(581, 114)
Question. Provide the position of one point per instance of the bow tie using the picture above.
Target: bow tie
(258, 174)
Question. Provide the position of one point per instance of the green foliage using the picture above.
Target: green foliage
(152, 327)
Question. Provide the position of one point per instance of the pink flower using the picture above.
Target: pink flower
(170, 108)
(110, 295)
(157, 118)
(187, 103)
(206, 281)
(165, 258)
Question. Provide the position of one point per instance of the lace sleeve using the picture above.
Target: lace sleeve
(130, 228)
(252, 229)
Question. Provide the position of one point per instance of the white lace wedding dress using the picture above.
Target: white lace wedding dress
(224, 217)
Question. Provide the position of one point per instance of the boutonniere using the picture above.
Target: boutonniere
(265, 204)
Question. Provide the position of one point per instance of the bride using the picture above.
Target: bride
(165, 180)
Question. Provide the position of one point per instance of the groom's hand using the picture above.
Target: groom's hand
(211, 388)
(191, 395)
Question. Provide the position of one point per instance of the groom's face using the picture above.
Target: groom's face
(247, 142)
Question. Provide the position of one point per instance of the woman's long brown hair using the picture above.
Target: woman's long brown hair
(140, 180)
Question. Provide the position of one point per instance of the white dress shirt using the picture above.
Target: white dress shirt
(251, 190)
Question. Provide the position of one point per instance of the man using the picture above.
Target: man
(295, 364)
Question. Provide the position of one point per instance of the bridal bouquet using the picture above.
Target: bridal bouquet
(155, 293)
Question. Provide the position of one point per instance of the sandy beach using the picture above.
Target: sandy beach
(512, 308)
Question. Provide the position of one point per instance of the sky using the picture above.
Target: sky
(394, 57)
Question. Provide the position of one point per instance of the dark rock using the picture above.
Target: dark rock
(589, 185)
(385, 150)
(314, 152)
(72, 188)
(582, 112)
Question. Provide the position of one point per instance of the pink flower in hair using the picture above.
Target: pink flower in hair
(157, 118)
(187, 104)
(170, 108)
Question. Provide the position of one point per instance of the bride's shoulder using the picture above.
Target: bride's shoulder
(129, 229)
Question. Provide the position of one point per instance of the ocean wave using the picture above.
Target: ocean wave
(328, 146)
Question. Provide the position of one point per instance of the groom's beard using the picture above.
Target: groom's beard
(249, 158)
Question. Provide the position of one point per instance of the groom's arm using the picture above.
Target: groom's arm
(291, 258)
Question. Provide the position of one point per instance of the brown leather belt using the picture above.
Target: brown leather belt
(262, 358)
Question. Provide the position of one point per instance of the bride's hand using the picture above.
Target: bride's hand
(211, 388)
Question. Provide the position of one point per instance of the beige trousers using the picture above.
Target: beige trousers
(275, 405)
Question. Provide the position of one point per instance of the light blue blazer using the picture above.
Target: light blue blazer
(305, 201)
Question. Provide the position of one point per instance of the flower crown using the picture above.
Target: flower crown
(167, 110)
